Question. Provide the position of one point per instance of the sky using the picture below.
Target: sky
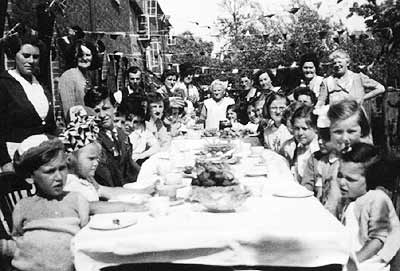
(197, 15)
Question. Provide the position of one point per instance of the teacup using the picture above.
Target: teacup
(173, 178)
(167, 191)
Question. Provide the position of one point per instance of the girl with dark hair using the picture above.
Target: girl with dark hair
(349, 124)
(232, 113)
(25, 106)
(274, 132)
(144, 143)
(155, 117)
(74, 82)
(369, 214)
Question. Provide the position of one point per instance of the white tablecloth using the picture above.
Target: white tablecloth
(266, 230)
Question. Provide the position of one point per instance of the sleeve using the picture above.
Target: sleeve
(4, 157)
(323, 94)
(308, 179)
(18, 219)
(7, 248)
(369, 84)
(83, 209)
(379, 219)
(67, 92)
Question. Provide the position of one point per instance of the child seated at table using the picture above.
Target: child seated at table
(254, 120)
(144, 143)
(232, 113)
(214, 108)
(369, 215)
(155, 118)
(273, 131)
(304, 124)
(44, 224)
(84, 153)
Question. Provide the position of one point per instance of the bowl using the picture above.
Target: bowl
(220, 199)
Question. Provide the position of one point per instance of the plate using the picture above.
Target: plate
(107, 223)
(293, 192)
(256, 172)
(176, 202)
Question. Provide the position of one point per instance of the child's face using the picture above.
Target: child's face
(87, 160)
(302, 132)
(252, 114)
(305, 99)
(259, 109)
(156, 110)
(119, 121)
(218, 92)
(276, 109)
(352, 180)
(136, 122)
(50, 178)
(231, 115)
(345, 132)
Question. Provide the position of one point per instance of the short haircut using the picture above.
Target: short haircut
(218, 82)
(310, 57)
(96, 95)
(247, 74)
(14, 44)
(272, 97)
(133, 69)
(32, 159)
(347, 108)
(168, 73)
(339, 53)
(305, 91)
(138, 112)
(378, 171)
(305, 112)
(235, 108)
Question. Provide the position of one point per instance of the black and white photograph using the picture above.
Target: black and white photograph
(199, 135)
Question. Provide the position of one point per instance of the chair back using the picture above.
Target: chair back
(12, 190)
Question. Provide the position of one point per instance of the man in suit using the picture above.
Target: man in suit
(116, 166)
(135, 87)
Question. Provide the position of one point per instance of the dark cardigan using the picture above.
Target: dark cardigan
(18, 117)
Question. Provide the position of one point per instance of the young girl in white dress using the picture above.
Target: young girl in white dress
(369, 215)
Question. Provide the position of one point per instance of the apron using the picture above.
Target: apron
(375, 263)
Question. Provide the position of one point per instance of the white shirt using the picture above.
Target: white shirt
(302, 158)
(84, 187)
(34, 92)
(274, 138)
(140, 141)
(216, 111)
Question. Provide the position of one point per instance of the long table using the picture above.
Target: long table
(265, 231)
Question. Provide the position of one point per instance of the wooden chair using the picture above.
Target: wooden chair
(12, 189)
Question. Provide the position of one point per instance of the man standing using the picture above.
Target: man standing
(135, 86)
(116, 166)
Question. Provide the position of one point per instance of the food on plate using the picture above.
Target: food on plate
(208, 173)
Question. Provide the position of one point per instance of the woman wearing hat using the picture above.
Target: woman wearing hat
(185, 84)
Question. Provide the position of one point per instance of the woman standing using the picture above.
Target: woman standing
(345, 84)
(74, 81)
(309, 65)
(25, 107)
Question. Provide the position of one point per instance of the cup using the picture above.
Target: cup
(167, 191)
(159, 206)
(173, 178)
